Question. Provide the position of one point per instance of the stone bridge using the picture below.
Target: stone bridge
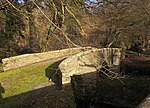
(79, 60)
(89, 83)
(81, 67)
(90, 61)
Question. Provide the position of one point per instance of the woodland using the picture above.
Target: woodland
(28, 26)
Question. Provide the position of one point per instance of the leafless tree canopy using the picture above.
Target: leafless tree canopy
(42, 25)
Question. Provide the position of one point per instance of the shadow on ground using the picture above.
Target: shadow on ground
(107, 93)
(46, 97)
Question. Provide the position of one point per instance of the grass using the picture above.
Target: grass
(23, 79)
(23, 85)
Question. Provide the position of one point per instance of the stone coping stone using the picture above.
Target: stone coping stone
(28, 59)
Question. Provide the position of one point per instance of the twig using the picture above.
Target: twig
(55, 25)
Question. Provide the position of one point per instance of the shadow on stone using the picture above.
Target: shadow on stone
(127, 92)
(136, 66)
(53, 74)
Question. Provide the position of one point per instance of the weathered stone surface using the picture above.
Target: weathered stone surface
(27, 59)
(145, 103)
(125, 92)
(89, 61)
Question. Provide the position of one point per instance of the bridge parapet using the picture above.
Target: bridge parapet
(28, 59)
(89, 61)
